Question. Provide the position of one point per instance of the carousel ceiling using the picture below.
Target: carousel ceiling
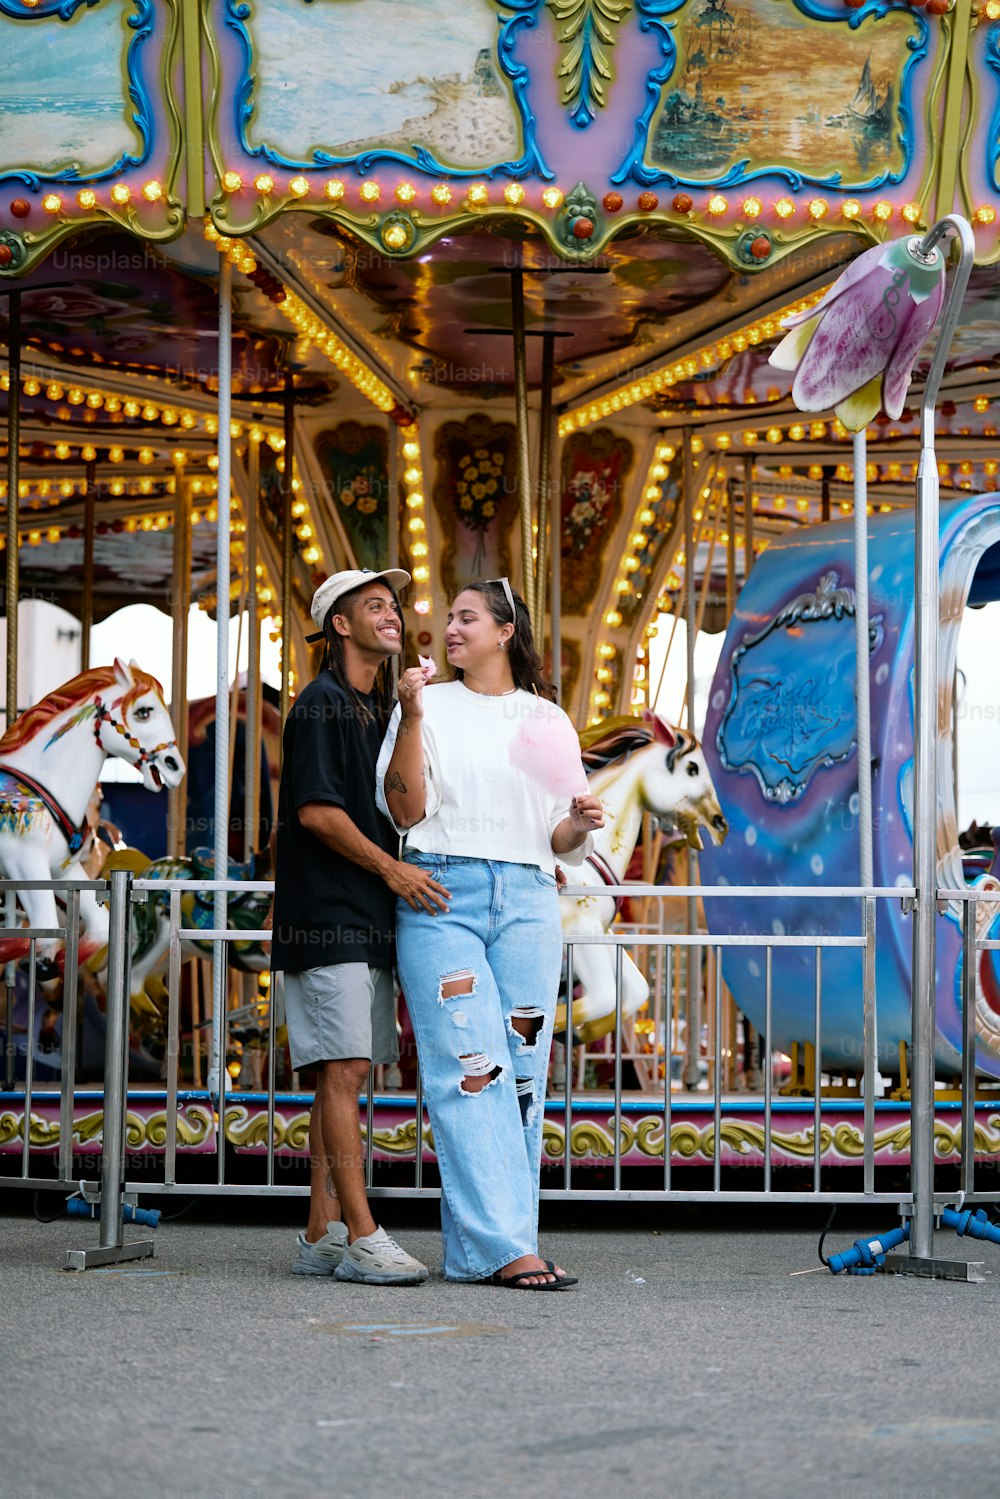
(665, 178)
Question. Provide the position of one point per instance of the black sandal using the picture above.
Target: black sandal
(520, 1280)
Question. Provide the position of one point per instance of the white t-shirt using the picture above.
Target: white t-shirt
(478, 806)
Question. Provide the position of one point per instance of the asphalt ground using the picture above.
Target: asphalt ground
(690, 1363)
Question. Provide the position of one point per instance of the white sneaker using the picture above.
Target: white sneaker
(377, 1260)
(323, 1257)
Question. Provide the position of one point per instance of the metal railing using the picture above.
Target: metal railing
(571, 1180)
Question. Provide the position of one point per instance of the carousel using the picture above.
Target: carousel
(484, 290)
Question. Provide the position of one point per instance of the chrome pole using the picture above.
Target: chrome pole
(13, 479)
(693, 985)
(251, 740)
(862, 700)
(87, 601)
(925, 727)
(523, 456)
(222, 569)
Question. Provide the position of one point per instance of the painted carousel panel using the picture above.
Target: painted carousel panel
(760, 85)
(343, 79)
(59, 116)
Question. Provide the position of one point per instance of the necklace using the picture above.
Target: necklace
(507, 692)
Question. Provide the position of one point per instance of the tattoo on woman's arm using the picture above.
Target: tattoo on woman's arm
(394, 782)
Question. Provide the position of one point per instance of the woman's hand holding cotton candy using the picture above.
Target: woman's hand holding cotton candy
(411, 692)
(428, 666)
(547, 751)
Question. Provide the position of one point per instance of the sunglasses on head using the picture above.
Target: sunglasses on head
(508, 594)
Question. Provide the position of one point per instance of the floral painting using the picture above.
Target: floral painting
(475, 495)
(595, 468)
(354, 460)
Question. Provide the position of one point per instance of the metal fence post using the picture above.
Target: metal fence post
(112, 1247)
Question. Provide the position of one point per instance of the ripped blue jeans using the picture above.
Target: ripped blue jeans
(481, 984)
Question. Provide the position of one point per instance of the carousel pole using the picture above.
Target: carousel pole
(180, 606)
(544, 479)
(392, 498)
(13, 479)
(287, 548)
(747, 518)
(555, 584)
(862, 696)
(222, 568)
(13, 588)
(693, 1036)
(523, 457)
(251, 720)
(87, 602)
(925, 732)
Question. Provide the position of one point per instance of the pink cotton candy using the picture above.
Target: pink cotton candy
(548, 752)
(428, 667)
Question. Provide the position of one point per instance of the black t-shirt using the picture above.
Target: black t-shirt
(327, 909)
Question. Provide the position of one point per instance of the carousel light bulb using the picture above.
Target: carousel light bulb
(717, 205)
(851, 209)
(552, 197)
(52, 203)
(773, 434)
(152, 191)
(311, 555)
(369, 192)
(88, 454)
(911, 212)
(188, 420)
(263, 182)
(784, 208)
(145, 455)
(334, 190)
(117, 486)
(395, 236)
(121, 194)
(416, 523)
(882, 210)
(513, 194)
(441, 194)
(818, 208)
(86, 197)
(406, 192)
(606, 651)
(232, 181)
(116, 455)
(613, 619)
(66, 488)
(62, 449)
(752, 208)
(95, 400)
(647, 516)
(31, 387)
(479, 194)
(421, 574)
(298, 187)
(984, 214)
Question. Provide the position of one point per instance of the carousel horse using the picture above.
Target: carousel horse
(50, 762)
(634, 766)
(245, 911)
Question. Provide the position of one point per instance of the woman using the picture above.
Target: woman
(481, 978)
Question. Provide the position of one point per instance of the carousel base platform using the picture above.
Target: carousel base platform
(243, 1123)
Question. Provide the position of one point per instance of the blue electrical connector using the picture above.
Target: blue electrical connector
(868, 1255)
(976, 1225)
(76, 1207)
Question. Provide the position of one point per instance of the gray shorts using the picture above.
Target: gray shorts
(345, 1010)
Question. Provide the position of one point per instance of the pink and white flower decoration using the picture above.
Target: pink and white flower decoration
(855, 350)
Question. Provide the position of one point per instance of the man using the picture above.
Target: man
(336, 881)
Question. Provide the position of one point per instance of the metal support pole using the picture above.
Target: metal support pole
(730, 549)
(287, 550)
(523, 458)
(925, 732)
(392, 498)
(747, 518)
(251, 741)
(180, 604)
(87, 601)
(555, 604)
(693, 986)
(112, 1248)
(862, 699)
(222, 571)
(13, 480)
(544, 480)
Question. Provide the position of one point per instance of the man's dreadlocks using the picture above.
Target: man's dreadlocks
(333, 659)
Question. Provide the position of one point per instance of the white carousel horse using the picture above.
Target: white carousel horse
(50, 762)
(635, 766)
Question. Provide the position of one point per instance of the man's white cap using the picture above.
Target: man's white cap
(336, 586)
